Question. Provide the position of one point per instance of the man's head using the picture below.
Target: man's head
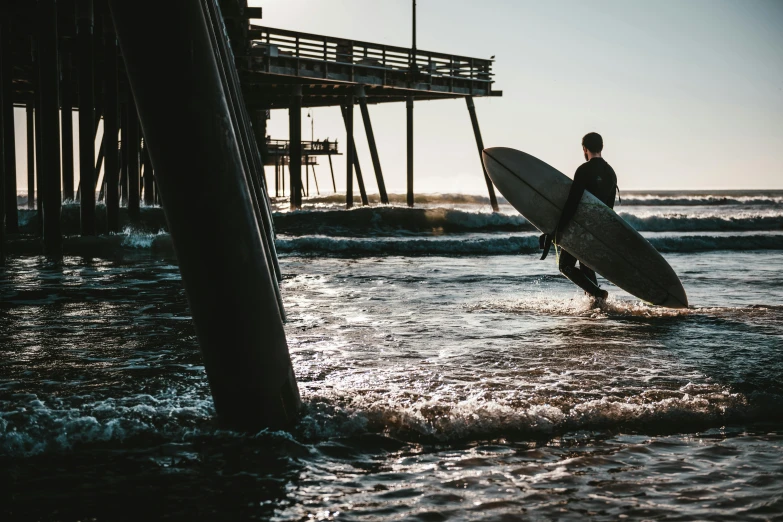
(592, 145)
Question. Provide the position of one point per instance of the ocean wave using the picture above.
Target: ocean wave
(348, 247)
(705, 223)
(675, 200)
(396, 221)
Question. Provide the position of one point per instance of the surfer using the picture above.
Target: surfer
(597, 177)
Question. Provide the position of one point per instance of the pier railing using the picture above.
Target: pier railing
(365, 57)
(308, 147)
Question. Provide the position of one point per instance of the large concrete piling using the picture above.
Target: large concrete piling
(88, 171)
(3, 94)
(221, 255)
(249, 152)
(9, 139)
(493, 200)
(48, 86)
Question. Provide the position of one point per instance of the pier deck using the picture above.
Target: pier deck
(329, 69)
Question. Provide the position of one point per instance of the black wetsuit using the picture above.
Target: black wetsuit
(597, 177)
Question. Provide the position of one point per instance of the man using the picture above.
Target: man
(597, 177)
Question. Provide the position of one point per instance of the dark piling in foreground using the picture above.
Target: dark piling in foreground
(198, 165)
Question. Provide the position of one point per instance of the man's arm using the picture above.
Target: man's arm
(574, 196)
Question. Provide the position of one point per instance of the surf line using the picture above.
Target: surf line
(599, 240)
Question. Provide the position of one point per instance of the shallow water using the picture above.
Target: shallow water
(478, 385)
(441, 387)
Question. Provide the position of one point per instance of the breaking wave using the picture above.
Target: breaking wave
(393, 221)
(680, 200)
(706, 223)
(474, 246)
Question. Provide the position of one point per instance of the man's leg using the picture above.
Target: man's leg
(568, 268)
(589, 273)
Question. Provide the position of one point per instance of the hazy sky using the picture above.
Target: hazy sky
(688, 94)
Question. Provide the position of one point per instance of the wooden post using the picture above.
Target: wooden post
(376, 162)
(30, 155)
(111, 110)
(149, 177)
(88, 171)
(9, 134)
(124, 156)
(3, 94)
(132, 162)
(331, 169)
(38, 147)
(295, 147)
(221, 254)
(351, 150)
(49, 83)
(480, 144)
(357, 166)
(409, 108)
(66, 118)
(277, 176)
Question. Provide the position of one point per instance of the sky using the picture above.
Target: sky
(688, 94)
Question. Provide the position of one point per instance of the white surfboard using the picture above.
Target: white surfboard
(596, 235)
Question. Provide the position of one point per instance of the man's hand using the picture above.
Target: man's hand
(545, 243)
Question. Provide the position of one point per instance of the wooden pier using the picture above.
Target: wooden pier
(289, 70)
(174, 98)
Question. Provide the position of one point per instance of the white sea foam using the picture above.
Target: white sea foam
(140, 239)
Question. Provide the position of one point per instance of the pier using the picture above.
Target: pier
(172, 102)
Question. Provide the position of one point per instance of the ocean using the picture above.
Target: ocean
(446, 374)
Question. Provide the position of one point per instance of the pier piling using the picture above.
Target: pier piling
(9, 134)
(66, 117)
(124, 156)
(3, 94)
(132, 161)
(38, 128)
(295, 148)
(376, 162)
(331, 169)
(88, 170)
(350, 150)
(149, 176)
(355, 158)
(197, 163)
(409, 111)
(480, 144)
(111, 110)
(48, 85)
(30, 113)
